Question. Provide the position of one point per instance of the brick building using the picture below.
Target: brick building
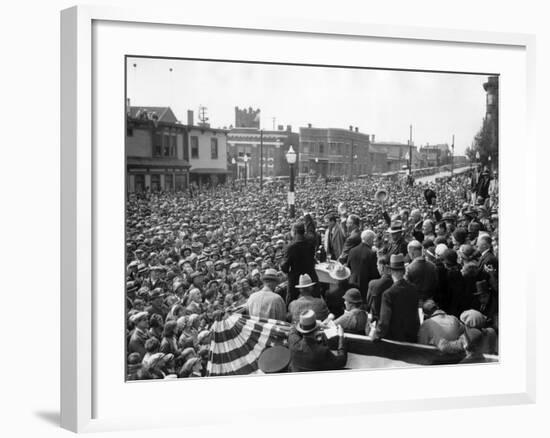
(334, 152)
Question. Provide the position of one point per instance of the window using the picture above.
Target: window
(157, 144)
(214, 148)
(321, 149)
(166, 144)
(490, 99)
(305, 147)
(155, 182)
(194, 147)
(173, 144)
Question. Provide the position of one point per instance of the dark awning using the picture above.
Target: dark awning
(205, 171)
(156, 162)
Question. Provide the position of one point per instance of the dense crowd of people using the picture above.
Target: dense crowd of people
(392, 248)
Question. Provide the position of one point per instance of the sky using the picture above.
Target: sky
(380, 102)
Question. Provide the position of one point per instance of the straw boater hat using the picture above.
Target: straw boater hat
(271, 274)
(396, 227)
(340, 272)
(308, 322)
(304, 281)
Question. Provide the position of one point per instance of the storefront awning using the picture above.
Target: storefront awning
(156, 163)
(207, 171)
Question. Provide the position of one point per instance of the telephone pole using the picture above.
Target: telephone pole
(410, 148)
(202, 115)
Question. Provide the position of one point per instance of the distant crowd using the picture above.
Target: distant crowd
(411, 263)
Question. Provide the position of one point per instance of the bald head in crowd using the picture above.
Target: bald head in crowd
(367, 237)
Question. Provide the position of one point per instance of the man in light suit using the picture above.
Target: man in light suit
(334, 237)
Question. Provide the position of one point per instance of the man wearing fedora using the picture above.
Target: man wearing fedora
(299, 260)
(399, 310)
(379, 286)
(308, 348)
(362, 263)
(307, 301)
(487, 303)
(265, 303)
(354, 319)
(397, 245)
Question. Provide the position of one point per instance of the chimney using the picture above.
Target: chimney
(190, 117)
(372, 141)
(280, 127)
(289, 128)
(356, 129)
(309, 125)
(350, 128)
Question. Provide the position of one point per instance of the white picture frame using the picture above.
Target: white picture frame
(80, 202)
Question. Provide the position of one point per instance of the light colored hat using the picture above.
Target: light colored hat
(340, 272)
(304, 281)
(270, 274)
(308, 322)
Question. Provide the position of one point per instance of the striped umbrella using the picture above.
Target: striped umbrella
(238, 341)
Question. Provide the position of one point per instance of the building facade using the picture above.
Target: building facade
(436, 155)
(397, 155)
(156, 158)
(334, 152)
(207, 155)
(268, 147)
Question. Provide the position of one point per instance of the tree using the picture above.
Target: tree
(470, 153)
(485, 143)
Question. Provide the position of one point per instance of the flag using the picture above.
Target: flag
(239, 340)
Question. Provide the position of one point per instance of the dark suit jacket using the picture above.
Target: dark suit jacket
(308, 354)
(488, 259)
(352, 241)
(374, 295)
(299, 259)
(423, 274)
(399, 313)
(362, 262)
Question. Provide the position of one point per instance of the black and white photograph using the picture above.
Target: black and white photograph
(286, 218)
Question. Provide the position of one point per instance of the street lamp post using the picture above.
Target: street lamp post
(291, 159)
(316, 166)
(245, 159)
(233, 164)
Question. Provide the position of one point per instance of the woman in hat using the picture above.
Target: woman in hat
(334, 296)
(354, 320)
